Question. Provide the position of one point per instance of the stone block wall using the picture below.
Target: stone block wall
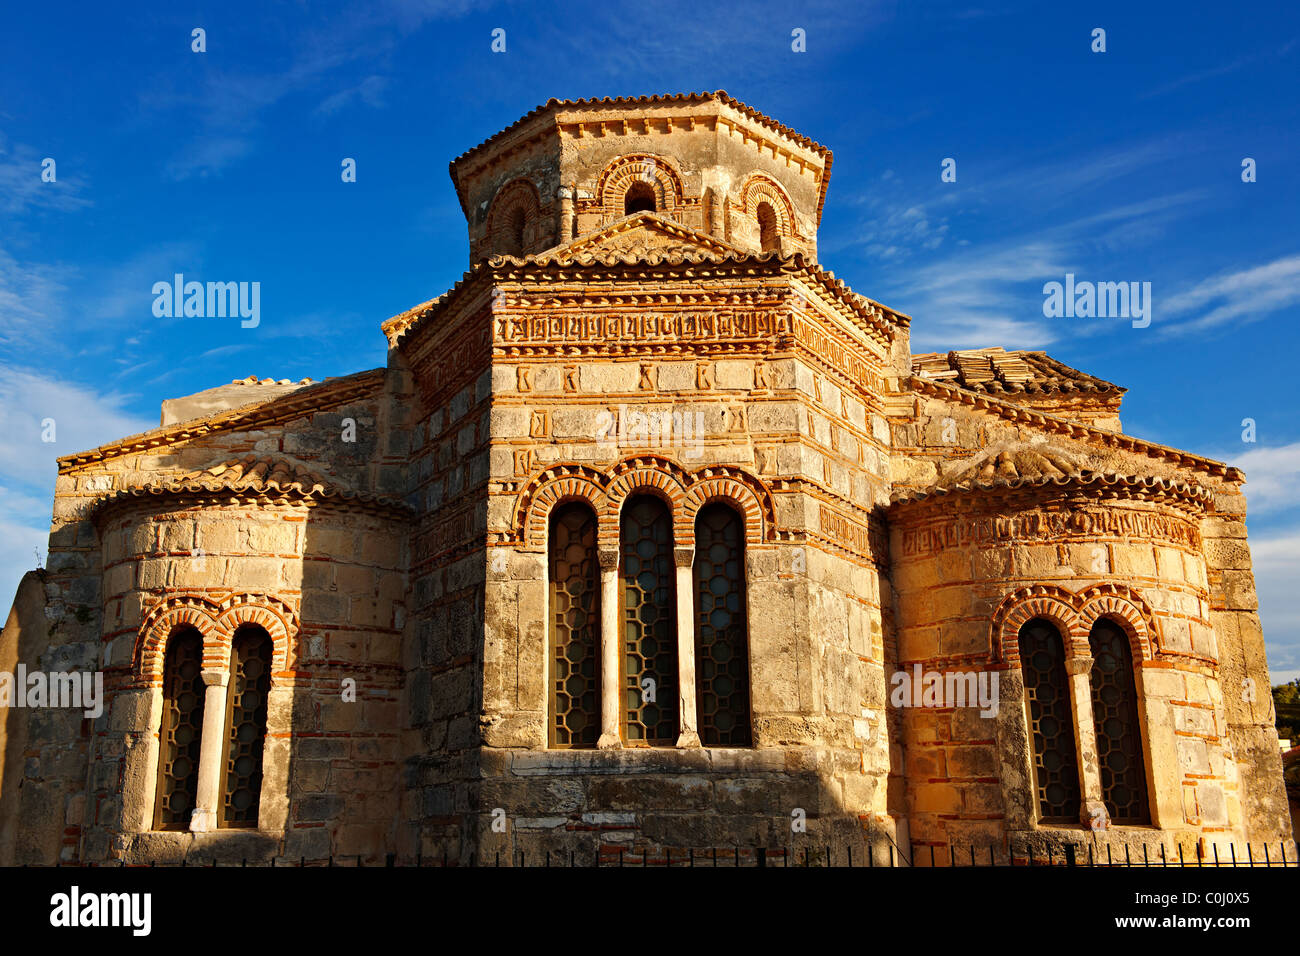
(969, 570)
(443, 650)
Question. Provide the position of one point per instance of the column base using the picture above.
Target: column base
(203, 821)
(1093, 815)
(688, 738)
(609, 742)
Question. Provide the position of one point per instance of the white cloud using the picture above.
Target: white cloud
(82, 419)
(976, 297)
(1272, 477)
(1276, 559)
(1245, 295)
(21, 186)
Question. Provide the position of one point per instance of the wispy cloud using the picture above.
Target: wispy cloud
(30, 295)
(975, 297)
(22, 188)
(31, 402)
(1220, 70)
(369, 91)
(1275, 558)
(232, 102)
(1272, 477)
(1245, 295)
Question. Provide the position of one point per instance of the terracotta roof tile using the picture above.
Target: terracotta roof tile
(1187, 493)
(996, 370)
(267, 475)
(620, 102)
(254, 380)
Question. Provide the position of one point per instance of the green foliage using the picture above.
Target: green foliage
(1286, 703)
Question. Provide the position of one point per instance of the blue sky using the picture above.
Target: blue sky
(225, 165)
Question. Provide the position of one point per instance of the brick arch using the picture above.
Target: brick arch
(1054, 604)
(161, 622)
(619, 175)
(514, 195)
(759, 189)
(550, 488)
(745, 493)
(274, 616)
(1126, 608)
(648, 474)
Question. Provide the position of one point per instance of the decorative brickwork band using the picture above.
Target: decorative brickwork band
(684, 492)
(620, 174)
(1127, 608)
(759, 189)
(1074, 615)
(216, 620)
(1047, 601)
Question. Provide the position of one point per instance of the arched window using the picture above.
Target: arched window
(512, 239)
(648, 619)
(250, 684)
(640, 197)
(721, 640)
(574, 638)
(768, 235)
(1119, 732)
(1051, 724)
(181, 731)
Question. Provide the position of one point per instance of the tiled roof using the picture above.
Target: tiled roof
(254, 380)
(1012, 463)
(269, 476)
(1104, 484)
(1052, 424)
(622, 102)
(1040, 464)
(997, 370)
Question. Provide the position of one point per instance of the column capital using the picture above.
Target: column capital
(607, 558)
(683, 557)
(215, 678)
(1075, 666)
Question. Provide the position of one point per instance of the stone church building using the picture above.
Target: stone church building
(651, 536)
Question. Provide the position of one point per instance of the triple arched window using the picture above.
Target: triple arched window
(1115, 723)
(237, 750)
(646, 610)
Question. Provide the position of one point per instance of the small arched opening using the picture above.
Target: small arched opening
(640, 197)
(768, 234)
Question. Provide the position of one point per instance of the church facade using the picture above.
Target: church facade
(651, 536)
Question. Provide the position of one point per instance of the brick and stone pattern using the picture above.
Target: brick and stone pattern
(645, 315)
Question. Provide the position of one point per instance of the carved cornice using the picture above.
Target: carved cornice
(541, 276)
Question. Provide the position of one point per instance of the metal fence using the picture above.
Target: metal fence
(827, 855)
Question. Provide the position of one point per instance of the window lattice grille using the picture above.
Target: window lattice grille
(250, 682)
(648, 618)
(575, 629)
(721, 651)
(181, 731)
(1056, 771)
(1119, 733)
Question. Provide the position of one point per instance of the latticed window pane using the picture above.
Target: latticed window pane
(181, 731)
(721, 644)
(1051, 723)
(250, 683)
(1119, 733)
(649, 621)
(575, 628)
